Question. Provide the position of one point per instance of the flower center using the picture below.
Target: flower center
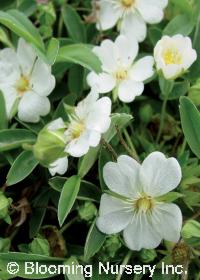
(121, 74)
(144, 204)
(172, 56)
(127, 3)
(77, 129)
(22, 85)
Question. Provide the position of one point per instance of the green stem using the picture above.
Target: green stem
(162, 119)
(130, 143)
(65, 227)
(183, 146)
(125, 262)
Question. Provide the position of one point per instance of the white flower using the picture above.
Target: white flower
(25, 81)
(132, 15)
(135, 209)
(91, 118)
(174, 55)
(59, 166)
(120, 72)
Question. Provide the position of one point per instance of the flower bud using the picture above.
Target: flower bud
(147, 255)
(87, 211)
(50, 146)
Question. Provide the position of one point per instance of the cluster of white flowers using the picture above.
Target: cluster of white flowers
(133, 205)
(91, 118)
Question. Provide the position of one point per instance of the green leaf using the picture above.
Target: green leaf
(119, 120)
(22, 26)
(40, 246)
(80, 54)
(170, 197)
(88, 191)
(94, 241)
(67, 198)
(73, 24)
(4, 38)
(190, 120)
(24, 164)
(15, 138)
(38, 212)
(179, 89)
(3, 114)
(184, 6)
(191, 229)
(52, 50)
(181, 24)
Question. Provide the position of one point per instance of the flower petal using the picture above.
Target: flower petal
(101, 83)
(32, 106)
(94, 138)
(107, 15)
(79, 147)
(59, 166)
(150, 12)
(167, 220)
(9, 68)
(140, 234)
(98, 118)
(26, 56)
(41, 79)
(106, 54)
(134, 20)
(126, 50)
(159, 174)
(56, 124)
(142, 69)
(113, 217)
(120, 181)
(129, 89)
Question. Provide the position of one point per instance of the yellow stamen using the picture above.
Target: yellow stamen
(144, 204)
(121, 74)
(172, 56)
(127, 3)
(22, 85)
(77, 129)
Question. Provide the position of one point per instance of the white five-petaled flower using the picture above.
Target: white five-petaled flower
(174, 55)
(25, 81)
(120, 72)
(91, 118)
(136, 210)
(132, 15)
